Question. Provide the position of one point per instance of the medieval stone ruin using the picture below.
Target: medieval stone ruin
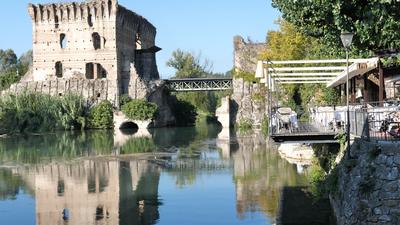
(97, 49)
(244, 107)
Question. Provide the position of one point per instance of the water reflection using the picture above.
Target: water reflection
(260, 174)
(84, 178)
(115, 192)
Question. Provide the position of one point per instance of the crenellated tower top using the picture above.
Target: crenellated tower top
(56, 13)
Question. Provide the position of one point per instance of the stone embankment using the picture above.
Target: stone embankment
(368, 187)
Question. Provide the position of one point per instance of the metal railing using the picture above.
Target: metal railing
(369, 123)
(199, 84)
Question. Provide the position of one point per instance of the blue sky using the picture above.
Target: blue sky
(198, 26)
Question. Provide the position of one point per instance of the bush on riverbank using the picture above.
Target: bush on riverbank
(36, 112)
(30, 112)
(101, 116)
(139, 110)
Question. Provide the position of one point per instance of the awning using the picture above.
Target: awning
(355, 69)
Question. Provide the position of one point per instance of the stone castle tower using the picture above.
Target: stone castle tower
(93, 41)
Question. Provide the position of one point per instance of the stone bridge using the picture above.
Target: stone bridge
(122, 122)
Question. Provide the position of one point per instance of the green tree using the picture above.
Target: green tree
(7, 59)
(188, 65)
(12, 68)
(375, 23)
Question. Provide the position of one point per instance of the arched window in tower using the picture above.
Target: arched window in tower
(90, 20)
(63, 41)
(56, 22)
(96, 41)
(59, 69)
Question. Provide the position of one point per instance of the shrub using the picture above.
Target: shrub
(124, 99)
(244, 125)
(139, 110)
(28, 112)
(101, 116)
(72, 112)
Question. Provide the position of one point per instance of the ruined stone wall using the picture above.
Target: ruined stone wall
(135, 36)
(244, 104)
(68, 37)
(92, 90)
(368, 188)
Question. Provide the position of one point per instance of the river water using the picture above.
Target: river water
(199, 175)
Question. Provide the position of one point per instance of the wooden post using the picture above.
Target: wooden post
(366, 89)
(381, 84)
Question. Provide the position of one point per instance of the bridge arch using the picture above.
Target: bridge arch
(128, 127)
(121, 122)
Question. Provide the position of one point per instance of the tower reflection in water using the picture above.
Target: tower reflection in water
(94, 192)
(87, 179)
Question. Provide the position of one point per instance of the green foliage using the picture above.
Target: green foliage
(101, 116)
(341, 137)
(187, 65)
(123, 99)
(326, 155)
(185, 113)
(316, 176)
(28, 112)
(7, 59)
(71, 113)
(327, 19)
(138, 145)
(10, 185)
(244, 125)
(265, 126)
(139, 110)
(287, 43)
(36, 112)
(11, 68)
(247, 76)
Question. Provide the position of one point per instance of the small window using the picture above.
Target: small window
(89, 71)
(56, 22)
(96, 41)
(59, 69)
(109, 7)
(63, 41)
(90, 20)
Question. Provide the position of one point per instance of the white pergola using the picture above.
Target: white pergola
(331, 72)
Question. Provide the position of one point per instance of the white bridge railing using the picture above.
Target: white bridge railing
(199, 84)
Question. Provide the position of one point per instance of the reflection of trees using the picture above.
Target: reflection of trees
(184, 136)
(260, 173)
(65, 145)
(138, 203)
(138, 145)
(68, 145)
(10, 185)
